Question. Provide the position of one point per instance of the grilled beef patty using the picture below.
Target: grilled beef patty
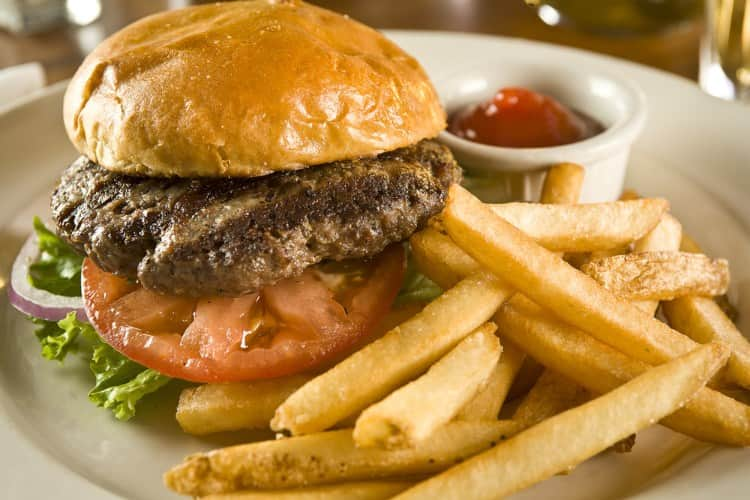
(206, 236)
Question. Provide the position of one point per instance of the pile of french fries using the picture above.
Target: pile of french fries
(567, 290)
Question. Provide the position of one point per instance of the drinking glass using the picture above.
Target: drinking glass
(725, 51)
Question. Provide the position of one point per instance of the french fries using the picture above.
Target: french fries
(560, 442)
(328, 457)
(210, 408)
(562, 184)
(552, 394)
(705, 320)
(526, 378)
(709, 416)
(563, 228)
(363, 490)
(665, 237)
(394, 359)
(547, 279)
(413, 412)
(660, 275)
(444, 263)
(486, 404)
(702, 320)
(440, 259)
(688, 244)
(584, 228)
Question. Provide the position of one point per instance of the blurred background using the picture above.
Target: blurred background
(664, 34)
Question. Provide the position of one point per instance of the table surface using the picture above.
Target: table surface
(675, 50)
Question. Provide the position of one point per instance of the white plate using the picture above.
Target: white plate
(53, 443)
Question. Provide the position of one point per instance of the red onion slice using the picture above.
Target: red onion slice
(33, 301)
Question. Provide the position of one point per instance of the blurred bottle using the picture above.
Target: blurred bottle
(725, 54)
(617, 17)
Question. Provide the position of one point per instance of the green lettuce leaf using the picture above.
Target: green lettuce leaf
(119, 383)
(59, 338)
(122, 398)
(58, 269)
(416, 286)
(110, 368)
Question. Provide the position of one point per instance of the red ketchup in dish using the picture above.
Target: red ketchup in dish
(519, 118)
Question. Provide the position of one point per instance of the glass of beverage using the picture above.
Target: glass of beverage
(725, 52)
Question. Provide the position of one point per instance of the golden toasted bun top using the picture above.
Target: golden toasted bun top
(246, 89)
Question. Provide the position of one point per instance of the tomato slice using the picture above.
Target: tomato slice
(293, 326)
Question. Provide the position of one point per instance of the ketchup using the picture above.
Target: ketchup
(519, 118)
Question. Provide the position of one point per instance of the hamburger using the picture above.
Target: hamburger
(248, 173)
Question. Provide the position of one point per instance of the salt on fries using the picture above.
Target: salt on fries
(558, 443)
(426, 395)
(413, 412)
(389, 362)
(660, 275)
(329, 457)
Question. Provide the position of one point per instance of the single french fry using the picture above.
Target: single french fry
(362, 490)
(553, 393)
(328, 457)
(212, 408)
(660, 275)
(548, 280)
(486, 404)
(708, 416)
(397, 315)
(559, 443)
(411, 413)
(394, 359)
(562, 184)
(664, 237)
(702, 320)
(587, 227)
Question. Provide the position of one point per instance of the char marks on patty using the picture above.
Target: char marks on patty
(212, 236)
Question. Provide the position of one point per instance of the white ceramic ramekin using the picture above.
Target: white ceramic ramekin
(505, 174)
